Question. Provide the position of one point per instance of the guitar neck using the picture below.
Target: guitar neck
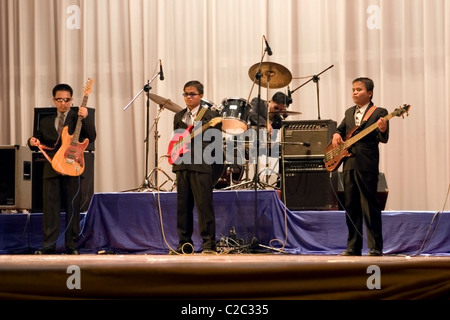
(76, 133)
(364, 133)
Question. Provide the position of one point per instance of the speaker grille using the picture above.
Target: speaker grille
(306, 139)
(307, 185)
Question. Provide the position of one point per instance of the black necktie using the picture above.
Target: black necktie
(60, 123)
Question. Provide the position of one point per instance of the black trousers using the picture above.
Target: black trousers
(195, 188)
(361, 204)
(58, 191)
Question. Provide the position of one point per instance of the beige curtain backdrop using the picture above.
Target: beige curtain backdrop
(403, 45)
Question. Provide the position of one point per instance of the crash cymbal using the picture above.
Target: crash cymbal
(284, 113)
(273, 75)
(166, 103)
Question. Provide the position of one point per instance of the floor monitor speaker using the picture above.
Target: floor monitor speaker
(382, 191)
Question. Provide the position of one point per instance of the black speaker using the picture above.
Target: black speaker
(87, 181)
(382, 191)
(15, 178)
(306, 185)
(42, 112)
(306, 139)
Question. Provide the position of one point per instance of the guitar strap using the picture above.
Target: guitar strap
(369, 113)
(200, 113)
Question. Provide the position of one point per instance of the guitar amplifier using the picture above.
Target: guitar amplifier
(307, 185)
(15, 178)
(306, 139)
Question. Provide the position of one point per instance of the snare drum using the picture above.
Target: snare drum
(235, 112)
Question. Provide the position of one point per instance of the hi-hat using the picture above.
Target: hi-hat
(273, 75)
(166, 103)
(284, 113)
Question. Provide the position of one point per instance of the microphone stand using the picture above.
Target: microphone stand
(316, 79)
(256, 182)
(145, 184)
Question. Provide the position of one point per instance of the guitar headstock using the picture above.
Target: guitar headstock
(400, 111)
(88, 87)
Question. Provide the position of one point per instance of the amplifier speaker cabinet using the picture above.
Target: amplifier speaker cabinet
(87, 181)
(382, 191)
(307, 185)
(15, 178)
(42, 112)
(306, 139)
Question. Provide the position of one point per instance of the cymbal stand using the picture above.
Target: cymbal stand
(157, 169)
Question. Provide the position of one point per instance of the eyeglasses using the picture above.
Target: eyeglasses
(63, 99)
(190, 94)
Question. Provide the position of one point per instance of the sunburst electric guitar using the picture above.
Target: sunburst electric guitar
(334, 156)
(180, 143)
(69, 159)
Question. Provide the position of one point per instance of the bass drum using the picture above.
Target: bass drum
(230, 172)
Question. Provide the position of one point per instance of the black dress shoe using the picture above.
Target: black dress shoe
(75, 252)
(375, 252)
(351, 253)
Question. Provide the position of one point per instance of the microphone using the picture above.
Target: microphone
(161, 73)
(269, 51)
(289, 97)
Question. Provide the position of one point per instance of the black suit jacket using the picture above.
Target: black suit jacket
(48, 135)
(365, 152)
(179, 126)
(276, 121)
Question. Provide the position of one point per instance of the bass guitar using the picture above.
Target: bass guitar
(69, 159)
(334, 156)
(180, 143)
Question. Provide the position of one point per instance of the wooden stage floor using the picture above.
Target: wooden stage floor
(261, 276)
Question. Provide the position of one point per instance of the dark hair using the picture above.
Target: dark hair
(280, 97)
(368, 83)
(62, 87)
(194, 83)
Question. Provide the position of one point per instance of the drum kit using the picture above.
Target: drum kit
(235, 120)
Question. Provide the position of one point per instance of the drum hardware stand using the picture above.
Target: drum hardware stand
(157, 169)
(316, 79)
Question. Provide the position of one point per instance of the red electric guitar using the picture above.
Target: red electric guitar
(180, 143)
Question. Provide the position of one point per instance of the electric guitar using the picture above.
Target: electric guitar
(334, 156)
(69, 159)
(180, 143)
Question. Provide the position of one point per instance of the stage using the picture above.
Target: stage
(283, 254)
(224, 276)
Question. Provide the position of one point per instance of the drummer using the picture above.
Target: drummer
(277, 104)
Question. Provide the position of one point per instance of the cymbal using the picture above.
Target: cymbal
(166, 103)
(284, 113)
(273, 75)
